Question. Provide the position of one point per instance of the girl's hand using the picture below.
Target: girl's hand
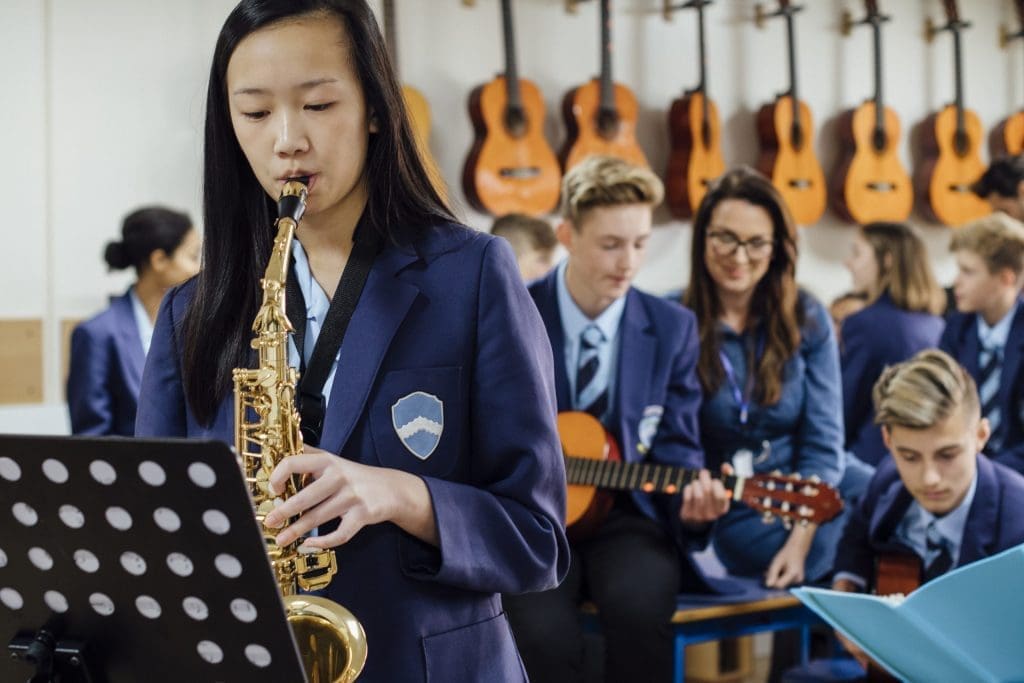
(356, 494)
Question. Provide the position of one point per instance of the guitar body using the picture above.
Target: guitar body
(580, 110)
(507, 173)
(419, 116)
(872, 183)
(1008, 137)
(794, 169)
(583, 436)
(946, 175)
(696, 158)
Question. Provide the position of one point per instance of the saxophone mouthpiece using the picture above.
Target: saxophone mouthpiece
(292, 203)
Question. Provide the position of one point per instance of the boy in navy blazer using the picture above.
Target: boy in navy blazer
(629, 359)
(936, 498)
(986, 335)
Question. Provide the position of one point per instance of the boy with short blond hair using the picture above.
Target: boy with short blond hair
(935, 498)
(629, 359)
(986, 335)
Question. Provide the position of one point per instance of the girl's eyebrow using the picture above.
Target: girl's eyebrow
(302, 86)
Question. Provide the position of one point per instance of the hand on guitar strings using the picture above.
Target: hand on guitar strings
(705, 499)
(357, 495)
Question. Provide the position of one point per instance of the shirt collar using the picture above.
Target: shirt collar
(951, 525)
(574, 320)
(142, 321)
(995, 336)
(313, 294)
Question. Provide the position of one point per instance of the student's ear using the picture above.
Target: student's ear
(158, 260)
(984, 432)
(1007, 278)
(887, 438)
(564, 232)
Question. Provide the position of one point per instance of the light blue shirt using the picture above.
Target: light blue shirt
(995, 336)
(317, 305)
(913, 527)
(573, 323)
(142, 321)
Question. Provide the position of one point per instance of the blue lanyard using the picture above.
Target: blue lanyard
(742, 398)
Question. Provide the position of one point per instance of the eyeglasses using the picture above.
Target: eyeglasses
(724, 243)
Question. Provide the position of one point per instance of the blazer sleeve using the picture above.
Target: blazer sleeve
(504, 529)
(819, 438)
(161, 395)
(88, 388)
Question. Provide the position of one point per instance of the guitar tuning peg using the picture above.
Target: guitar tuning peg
(805, 522)
(795, 476)
(767, 517)
(776, 473)
(814, 479)
(785, 506)
(789, 486)
(787, 523)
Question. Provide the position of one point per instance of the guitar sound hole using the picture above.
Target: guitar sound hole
(519, 172)
(607, 123)
(515, 122)
(882, 187)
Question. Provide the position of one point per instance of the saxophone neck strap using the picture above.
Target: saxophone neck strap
(310, 399)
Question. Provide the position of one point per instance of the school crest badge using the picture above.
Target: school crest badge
(418, 420)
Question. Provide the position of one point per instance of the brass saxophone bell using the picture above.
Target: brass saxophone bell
(331, 640)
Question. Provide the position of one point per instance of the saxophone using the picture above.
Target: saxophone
(330, 639)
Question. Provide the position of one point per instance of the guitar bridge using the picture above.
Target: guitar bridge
(519, 172)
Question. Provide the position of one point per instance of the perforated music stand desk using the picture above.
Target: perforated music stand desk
(144, 552)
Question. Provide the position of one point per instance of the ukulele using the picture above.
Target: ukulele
(600, 116)
(952, 146)
(1008, 137)
(416, 106)
(695, 132)
(786, 134)
(872, 183)
(510, 167)
(594, 469)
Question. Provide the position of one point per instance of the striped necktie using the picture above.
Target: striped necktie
(591, 385)
(936, 545)
(991, 361)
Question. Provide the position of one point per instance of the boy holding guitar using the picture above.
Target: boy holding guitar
(935, 501)
(627, 358)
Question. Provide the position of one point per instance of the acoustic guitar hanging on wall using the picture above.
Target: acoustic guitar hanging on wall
(601, 115)
(416, 105)
(872, 184)
(511, 167)
(951, 140)
(695, 132)
(786, 133)
(1008, 137)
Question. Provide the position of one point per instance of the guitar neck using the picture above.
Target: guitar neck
(607, 84)
(702, 86)
(615, 475)
(515, 99)
(958, 79)
(791, 47)
(876, 28)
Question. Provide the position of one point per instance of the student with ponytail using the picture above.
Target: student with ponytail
(108, 351)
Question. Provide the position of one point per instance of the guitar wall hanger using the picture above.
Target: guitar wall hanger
(668, 8)
(847, 23)
(931, 29)
(761, 15)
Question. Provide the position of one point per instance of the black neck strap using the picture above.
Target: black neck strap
(309, 398)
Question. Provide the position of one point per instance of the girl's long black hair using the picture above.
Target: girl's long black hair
(239, 216)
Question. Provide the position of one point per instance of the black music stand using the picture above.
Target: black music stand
(134, 560)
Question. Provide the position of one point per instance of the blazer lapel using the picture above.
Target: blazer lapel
(1012, 360)
(382, 307)
(128, 342)
(547, 303)
(983, 517)
(972, 345)
(637, 348)
(892, 506)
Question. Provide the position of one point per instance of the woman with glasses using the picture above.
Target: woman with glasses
(769, 367)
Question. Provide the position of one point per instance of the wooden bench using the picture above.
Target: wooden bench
(701, 618)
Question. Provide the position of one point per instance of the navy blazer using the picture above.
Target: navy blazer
(879, 335)
(105, 371)
(657, 396)
(995, 521)
(960, 340)
(449, 318)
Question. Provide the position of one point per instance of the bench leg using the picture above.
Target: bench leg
(679, 661)
(805, 644)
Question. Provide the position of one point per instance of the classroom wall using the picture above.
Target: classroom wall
(105, 107)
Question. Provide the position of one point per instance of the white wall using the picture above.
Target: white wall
(104, 105)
